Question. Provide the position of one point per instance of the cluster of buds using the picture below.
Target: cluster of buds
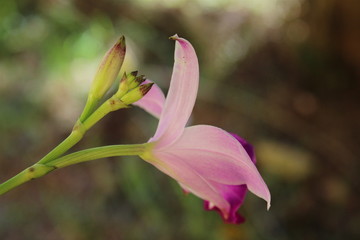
(131, 87)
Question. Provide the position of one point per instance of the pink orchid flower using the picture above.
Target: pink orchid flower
(205, 160)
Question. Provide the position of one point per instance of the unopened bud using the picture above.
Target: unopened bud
(109, 69)
(136, 94)
(105, 76)
(133, 73)
(137, 81)
(128, 82)
(145, 88)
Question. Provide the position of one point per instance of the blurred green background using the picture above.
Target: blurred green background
(284, 74)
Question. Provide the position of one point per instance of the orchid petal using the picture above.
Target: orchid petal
(181, 97)
(153, 101)
(247, 146)
(219, 157)
(235, 196)
(178, 168)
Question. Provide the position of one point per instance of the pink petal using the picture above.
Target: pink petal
(153, 101)
(235, 196)
(182, 93)
(190, 180)
(217, 156)
(247, 146)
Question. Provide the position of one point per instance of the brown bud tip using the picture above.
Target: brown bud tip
(145, 88)
(121, 43)
(134, 73)
(140, 79)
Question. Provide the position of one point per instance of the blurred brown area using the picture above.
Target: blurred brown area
(284, 74)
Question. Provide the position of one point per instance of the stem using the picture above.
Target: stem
(39, 170)
(90, 105)
(35, 171)
(80, 128)
(97, 153)
(112, 104)
(75, 136)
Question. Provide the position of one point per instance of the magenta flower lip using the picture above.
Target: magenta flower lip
(205, 160)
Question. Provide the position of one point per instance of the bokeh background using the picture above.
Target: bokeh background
(284, 74)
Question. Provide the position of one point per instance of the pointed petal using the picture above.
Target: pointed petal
(182, 93)
(153, 101)
(219, 157)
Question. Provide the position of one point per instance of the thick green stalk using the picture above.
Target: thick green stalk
(89, 108)
(75, 136)
(39, 170)
(97, 153)
(112, 104)
(35, 171)
(80, 129)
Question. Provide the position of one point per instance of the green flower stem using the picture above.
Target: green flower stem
(35, 171)
(80, 128)
(110, 105)
(39, 170)
(75, 136)
(89, 108)
(97, 153)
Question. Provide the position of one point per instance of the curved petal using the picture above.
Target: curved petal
(190, 180)
(234, 195)
(219, 157)
(182, 93)
(153, 101)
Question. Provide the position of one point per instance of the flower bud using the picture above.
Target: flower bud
(105, 76)
(129, 79)
(108, 70)
(136, 94)
(137, 81)
(128, 82)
